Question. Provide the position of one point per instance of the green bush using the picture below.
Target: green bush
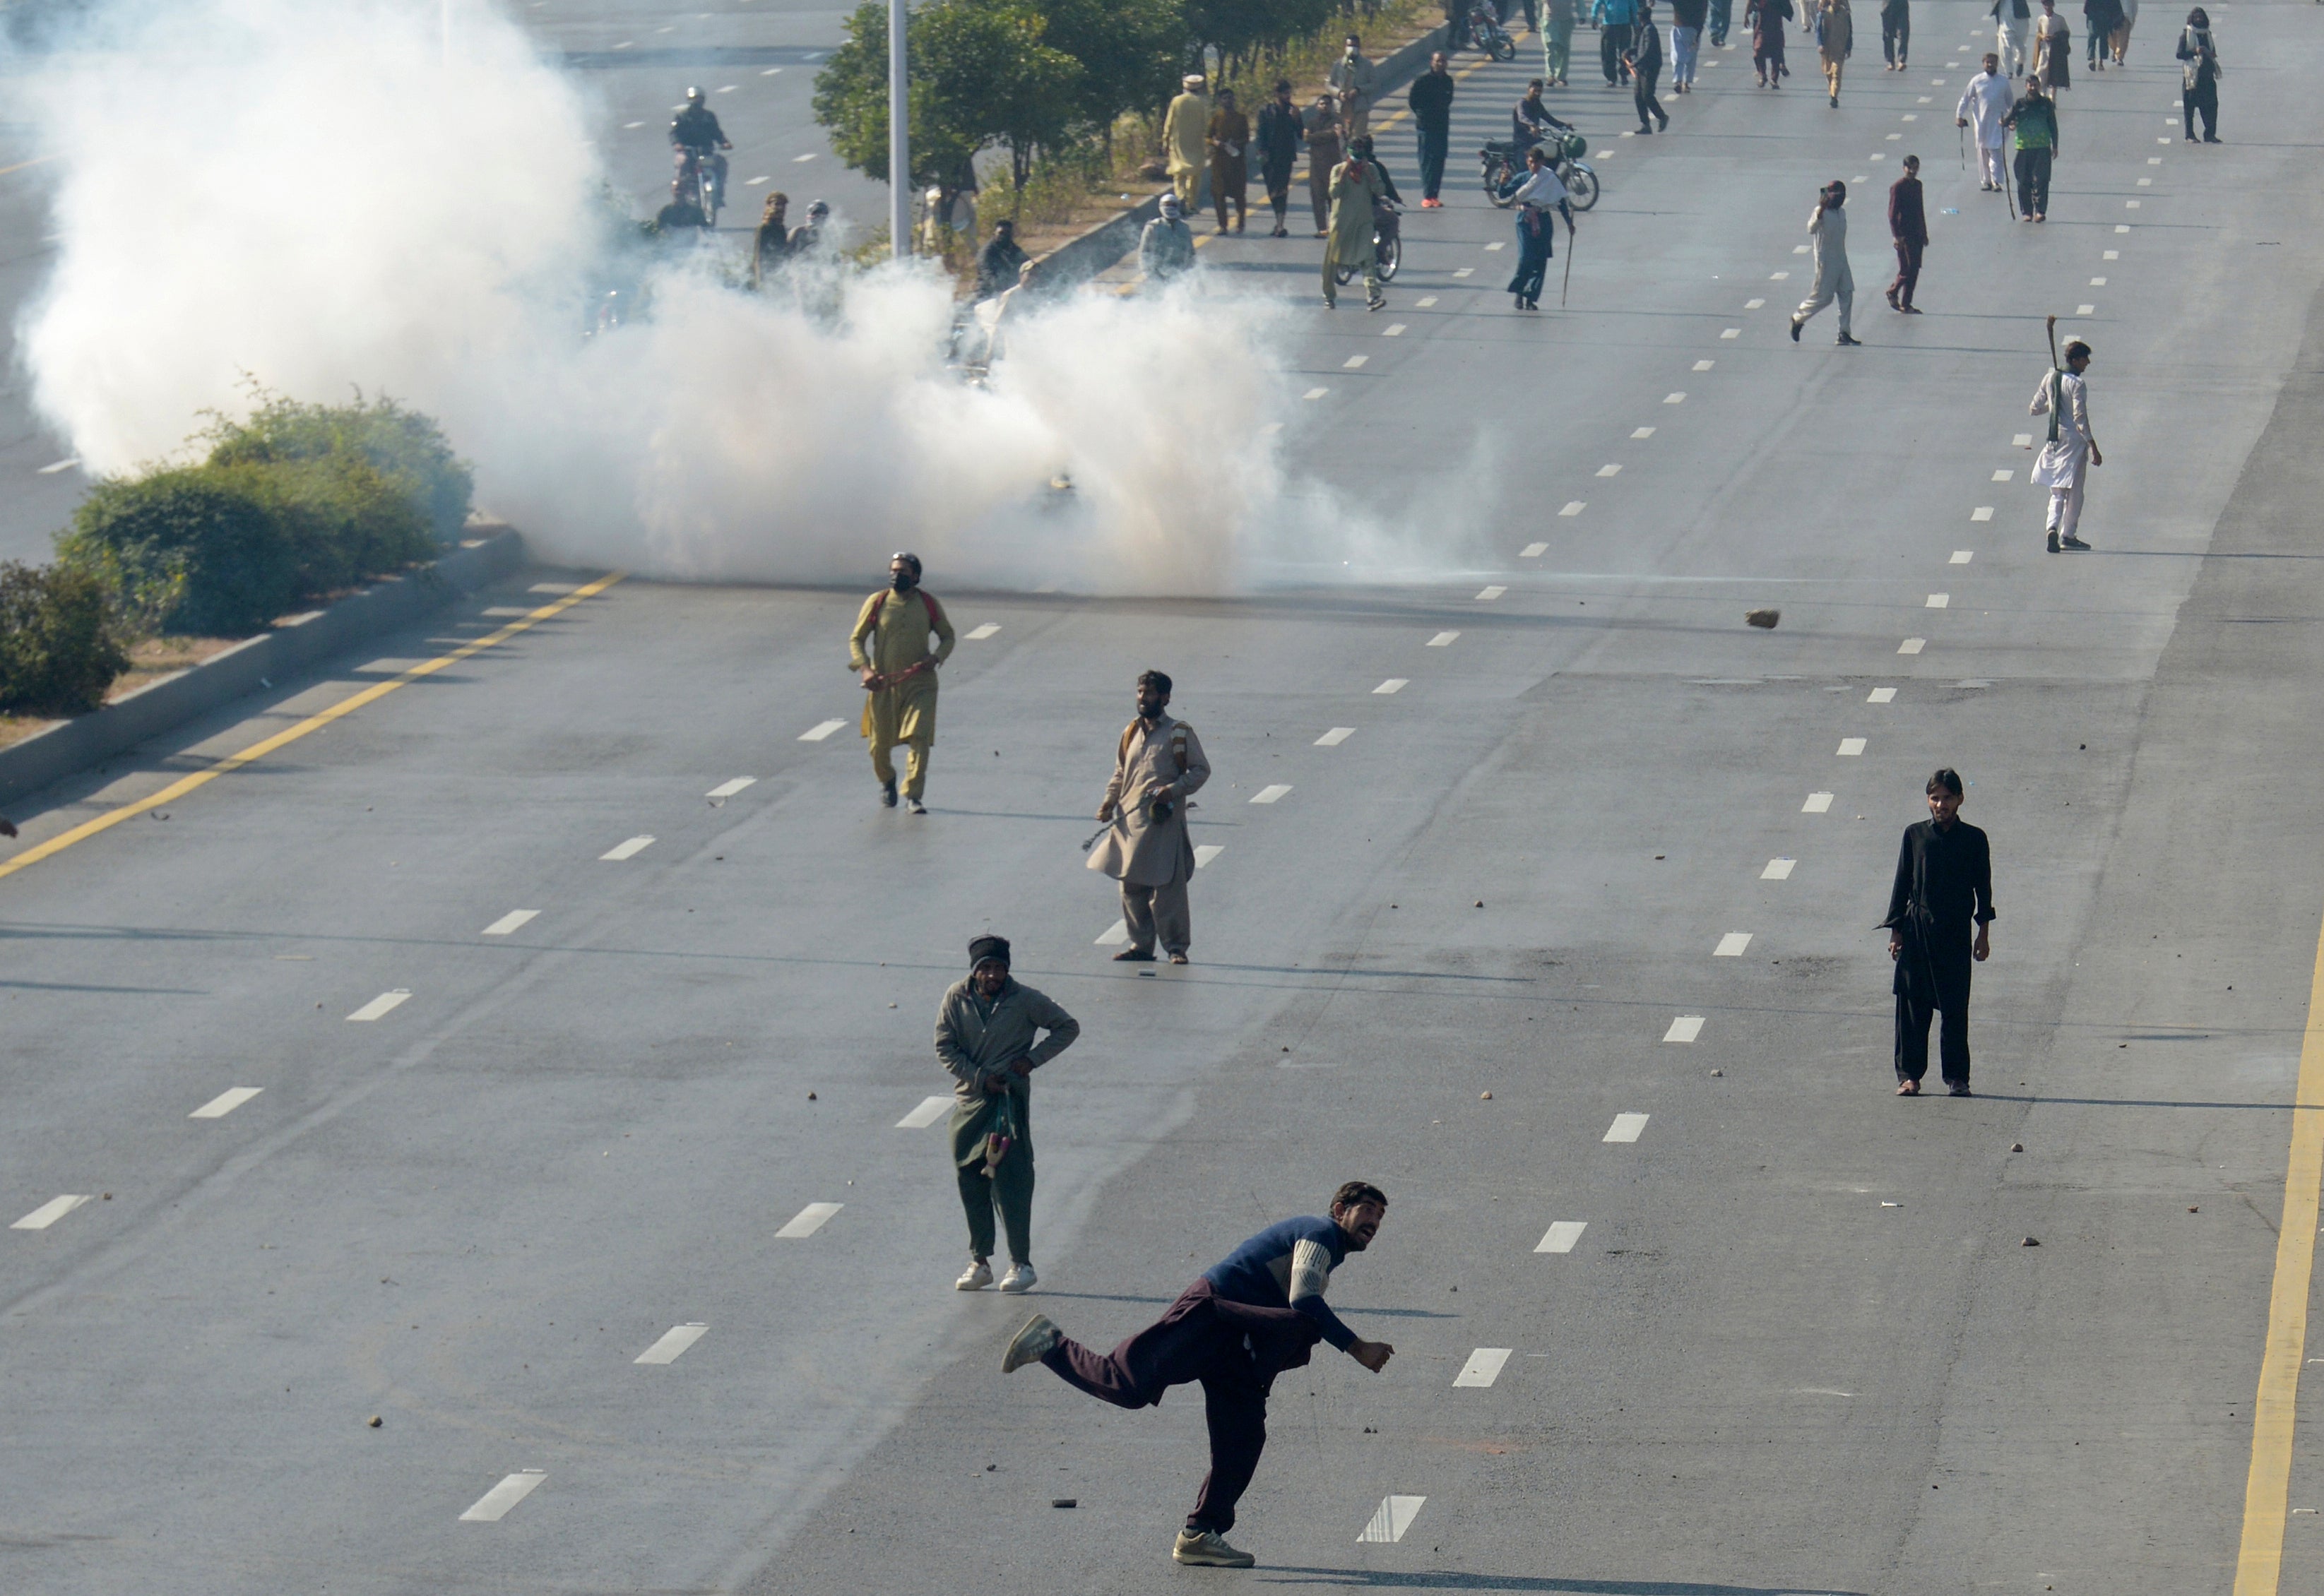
(379, 447)
(214, 539)
(59, 648)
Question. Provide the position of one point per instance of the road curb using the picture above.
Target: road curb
(1078, 260)
(49, 756)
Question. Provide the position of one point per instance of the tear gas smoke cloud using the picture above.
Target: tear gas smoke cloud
(312, 196)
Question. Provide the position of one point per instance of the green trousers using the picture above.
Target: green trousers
(1556, 50)
(1008, 1189)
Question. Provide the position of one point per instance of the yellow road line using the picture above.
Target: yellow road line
(291, 734)
(2259, 1565)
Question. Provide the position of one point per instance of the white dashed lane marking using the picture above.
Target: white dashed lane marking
(1335, 737)
(1684, 1028)
(1205, 852)
(2002, 476)
(494, 1505)
(1483, 1368)
(1817, 804)
(381, 1005)
(1562, 1235)
(821, 729)
(1532, 551)
(1881, 695)
(1354, 362)
(988, 629)
(1962, 556)
(1704, 365)
(1443, 639)
(49, 1213)
(674, 1341)
(1731, 945)
(1610, 469)
(1393, 684)
(1627, 1127)
(1270, 793)
(1778, 870)
(1851, 747)
(808, 1221)
(931, 1109)
(226, 1103)
(511, 921)
(1574, 507)
(1940, 601)
(1314, 393)
(1675, 399)
(728, 789)
(1911, 645)
(626, 850)
(1394, 330)
(1642, 432)
(1396, 1512)
(1116, 935)
(1487, 595)
(1983, 512)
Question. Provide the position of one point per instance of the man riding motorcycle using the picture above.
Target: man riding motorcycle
(1530, 121)
(696, 136)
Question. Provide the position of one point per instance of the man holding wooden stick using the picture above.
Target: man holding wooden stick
(2064, 462)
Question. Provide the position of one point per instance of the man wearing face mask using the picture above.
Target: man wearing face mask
(1158, 766)
(890, 651)
(985, 1033)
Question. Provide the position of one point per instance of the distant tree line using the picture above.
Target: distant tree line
(1036, 77)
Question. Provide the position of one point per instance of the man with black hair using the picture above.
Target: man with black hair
(890, 652)
(1158, 766)
(2063, 466)
(1430, 98)
(985, 1030)
(1943, 886)
(1258, 1313)
(1278, 138)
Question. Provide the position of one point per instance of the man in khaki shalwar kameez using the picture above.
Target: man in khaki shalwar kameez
(889, 650)
(1158, 767)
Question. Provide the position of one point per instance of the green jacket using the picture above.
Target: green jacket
(1353, 199)
(975, 1037)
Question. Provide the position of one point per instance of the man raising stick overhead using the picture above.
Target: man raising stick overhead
(1256, 1315)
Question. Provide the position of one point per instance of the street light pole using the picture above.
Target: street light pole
(899, 139)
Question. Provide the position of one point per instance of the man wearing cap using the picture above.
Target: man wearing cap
(1187, 142)
(1355, 80)
(890, 652)
(985, 1030)
(1158, 766)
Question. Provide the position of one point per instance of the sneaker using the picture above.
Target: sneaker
(1796, 338)
(2071, 541)
(887, 795)
(2053, 543)
(1031, 1344)
(914, 806)
(1208, 1548)
(1959, 1091)
(1019, 1278)
(976, 1277)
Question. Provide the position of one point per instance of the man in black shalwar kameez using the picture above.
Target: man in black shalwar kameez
(1943, 888)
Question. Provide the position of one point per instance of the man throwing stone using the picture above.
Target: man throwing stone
(1943, 886)
(985, 1033)
(1259, 1313)
(1158, 766)
(889, 650)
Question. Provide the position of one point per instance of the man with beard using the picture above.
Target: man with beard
(1260, 1312)
(890, 652)
(1158, 766)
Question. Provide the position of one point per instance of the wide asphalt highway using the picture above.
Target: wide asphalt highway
(1545, 898)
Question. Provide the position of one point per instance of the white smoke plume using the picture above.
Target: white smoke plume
(313, 196)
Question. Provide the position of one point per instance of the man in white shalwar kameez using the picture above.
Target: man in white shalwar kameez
(1987, 95)
(1158, 767)
(2065, 460)
(1828, 229)
(2013, 29)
